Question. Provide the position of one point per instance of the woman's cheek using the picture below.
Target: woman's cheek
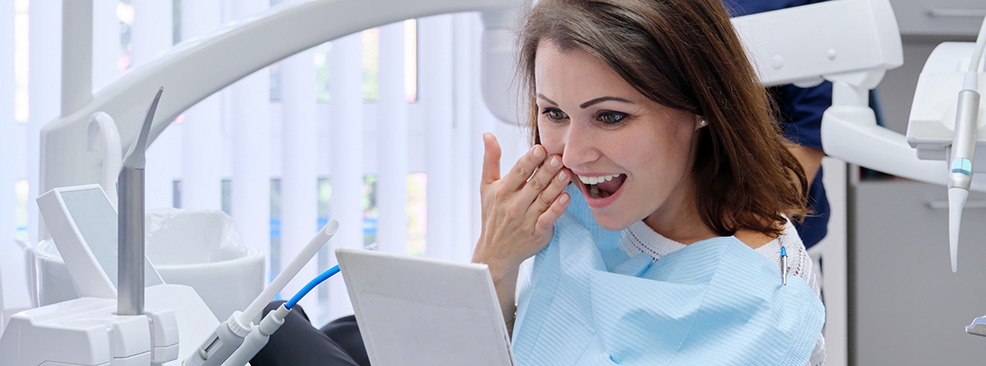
(550, 140)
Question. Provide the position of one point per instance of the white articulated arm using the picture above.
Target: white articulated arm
(198, 67)
(850, 133)
(104, 137)
(860, 42)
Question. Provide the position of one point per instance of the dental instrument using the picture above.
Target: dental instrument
(258, 337)
(130, 239)
(963, 147)
(229, 335)
(784, 267)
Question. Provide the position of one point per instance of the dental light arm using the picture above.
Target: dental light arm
(201, 66)
(104, 138)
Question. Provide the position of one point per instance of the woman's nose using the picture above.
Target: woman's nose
(579, 148)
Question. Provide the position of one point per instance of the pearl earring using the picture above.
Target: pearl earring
(702, 122)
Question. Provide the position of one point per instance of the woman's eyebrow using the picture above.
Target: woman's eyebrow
(546, 99)
(603, 99)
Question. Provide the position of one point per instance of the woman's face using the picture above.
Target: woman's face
(630, 156)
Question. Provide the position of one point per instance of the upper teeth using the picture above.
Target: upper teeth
(597, 180)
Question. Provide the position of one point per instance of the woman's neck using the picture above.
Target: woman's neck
(679, 220)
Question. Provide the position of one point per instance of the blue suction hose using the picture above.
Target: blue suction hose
(311, 285)
(258, 337)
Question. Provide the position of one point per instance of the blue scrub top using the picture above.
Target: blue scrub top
(801, 112)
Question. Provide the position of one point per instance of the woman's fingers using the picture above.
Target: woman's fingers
(491, 160)
(517, 178)
(548, 195)
(540, 181)
(547, 219)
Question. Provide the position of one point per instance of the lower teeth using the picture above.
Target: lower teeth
(594, 191)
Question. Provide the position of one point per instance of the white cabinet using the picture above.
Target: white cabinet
(906, 305)
(939, 17)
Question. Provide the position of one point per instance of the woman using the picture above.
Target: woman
(666, 247)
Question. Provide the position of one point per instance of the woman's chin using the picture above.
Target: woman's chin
(612, 223)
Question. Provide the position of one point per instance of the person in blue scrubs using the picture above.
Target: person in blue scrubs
(801, 112)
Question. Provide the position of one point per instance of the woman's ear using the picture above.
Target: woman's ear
(700, 122)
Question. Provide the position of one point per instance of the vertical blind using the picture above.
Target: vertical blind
(364, 128)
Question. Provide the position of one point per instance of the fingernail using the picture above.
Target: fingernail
(538, 153)
(562, 176)
(554, 162)
(563, 199)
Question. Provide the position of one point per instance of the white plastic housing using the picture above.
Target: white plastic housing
(932, 119)
(805, 43)
(105, 138)
(86, 331)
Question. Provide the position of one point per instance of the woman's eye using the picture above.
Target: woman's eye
(611, 118)
(554, 114)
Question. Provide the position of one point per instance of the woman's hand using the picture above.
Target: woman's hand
(520, 209)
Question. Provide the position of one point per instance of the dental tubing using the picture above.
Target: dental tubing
(964, 147)
(311, 285)
(323, 236)
(230, 334)
(258, 337)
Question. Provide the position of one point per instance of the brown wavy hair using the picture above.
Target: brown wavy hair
(685, 54)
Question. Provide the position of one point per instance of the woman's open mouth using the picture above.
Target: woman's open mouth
(602, 187)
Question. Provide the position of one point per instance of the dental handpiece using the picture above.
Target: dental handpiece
(229, 335)
(964, 140)
(962, 156)
(964, 146)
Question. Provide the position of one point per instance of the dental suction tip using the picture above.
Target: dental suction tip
(135, 157)
(956, 202)
(331, 227)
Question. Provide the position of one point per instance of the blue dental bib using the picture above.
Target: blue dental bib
(715, 302)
